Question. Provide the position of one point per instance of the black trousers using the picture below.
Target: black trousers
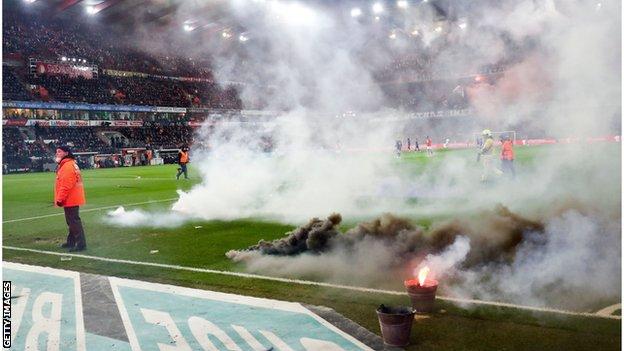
(76, 236)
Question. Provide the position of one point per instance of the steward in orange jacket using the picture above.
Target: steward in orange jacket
(183, 159)
(69, 194)
(68, 189)
(507, 152)
(507, 157)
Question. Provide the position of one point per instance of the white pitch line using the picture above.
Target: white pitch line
(87, 210)
(313, 283)
(607, 311)
(139, 179)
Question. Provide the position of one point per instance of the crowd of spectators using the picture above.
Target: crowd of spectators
(66, 89)
(12, 144)
(158, 136)
(12, 88)
(80, 139)
(415, 82)
(428, 96)
(413, 66)
(25, 146)
(120, 90)
(90, 139)
(417, 68)
(19, 153)
(36, 36)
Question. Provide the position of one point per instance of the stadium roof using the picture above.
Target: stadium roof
(133, 12)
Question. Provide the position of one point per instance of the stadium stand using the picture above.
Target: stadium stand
(12, 88)
(44, 38)
(120, 90)
(157, 136)
(50, 37)
(17, 152)
(82, 139)
(20, 149)
(126, 75)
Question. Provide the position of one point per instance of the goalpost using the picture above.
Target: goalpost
(478, 136)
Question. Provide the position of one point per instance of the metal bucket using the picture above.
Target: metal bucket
(423, 297)
(396, 324)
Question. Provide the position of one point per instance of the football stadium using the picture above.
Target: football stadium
(311, 175)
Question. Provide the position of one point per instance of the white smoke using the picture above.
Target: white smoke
(574, 264)
(452, 256)
(139, 218)
(307, 173)
(562, 79)
(322, 163)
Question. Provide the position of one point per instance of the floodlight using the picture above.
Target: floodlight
(377, 7)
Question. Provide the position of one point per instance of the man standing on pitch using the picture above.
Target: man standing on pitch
(507, 157)
(429, 144)
(485, 156)
(183, 159)
(69, 194)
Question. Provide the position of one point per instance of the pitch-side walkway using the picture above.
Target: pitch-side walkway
(54, 309)
(459, 301)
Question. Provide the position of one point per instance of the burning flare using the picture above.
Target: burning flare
(422, 275)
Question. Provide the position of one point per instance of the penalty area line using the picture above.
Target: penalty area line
(88, 210)
(311, 283)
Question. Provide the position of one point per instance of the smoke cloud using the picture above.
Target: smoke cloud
(568, 261)
(316, 66)
(123, 218)
(328, 145)
(447, 259)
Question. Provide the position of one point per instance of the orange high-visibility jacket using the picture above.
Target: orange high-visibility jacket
(68, 188)
(507, 150)
(184, 157)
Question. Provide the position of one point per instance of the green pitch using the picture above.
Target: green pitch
(30, 221)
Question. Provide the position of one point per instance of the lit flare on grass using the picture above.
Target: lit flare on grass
(422, 291)
(422, 275)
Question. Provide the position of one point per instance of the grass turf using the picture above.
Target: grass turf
(450, 328)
